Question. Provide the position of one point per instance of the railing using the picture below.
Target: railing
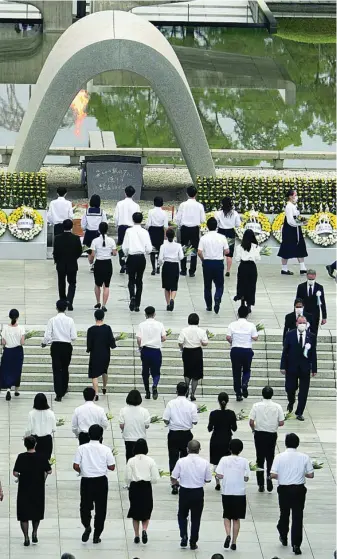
(277, 157)
(261, 14)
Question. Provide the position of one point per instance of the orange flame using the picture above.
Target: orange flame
(78, 107)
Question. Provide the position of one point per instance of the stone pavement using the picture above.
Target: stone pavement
(61, 530)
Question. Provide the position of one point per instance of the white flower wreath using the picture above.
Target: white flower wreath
(258, 222)
(3, 222)
(24, 212)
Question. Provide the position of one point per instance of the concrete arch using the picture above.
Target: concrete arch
(110, 41)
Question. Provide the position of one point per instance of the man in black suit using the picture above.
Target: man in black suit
(312, 295)
(298, 362)
(67, 250)
(290, 319)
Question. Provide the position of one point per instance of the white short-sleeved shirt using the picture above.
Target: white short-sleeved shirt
(234, 469)
(181, 414)
(136, 241)
(135, 420)
(266, 415)
(252, 255)
(94, 459)
(141, 468)
(192, 336)
(86, 415)
(91, 221)
(190, 214)
(228, 221)
(101, 252)
(157, 218)
(291, 467)
(150, 332)
(241, 331)
(41, 422)
(170, 252)
(192, 471)
(212, 245)
(12, 335)
(59, 210)
(292, 213)
(124, 212)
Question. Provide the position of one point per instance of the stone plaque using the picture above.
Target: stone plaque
(109, 175)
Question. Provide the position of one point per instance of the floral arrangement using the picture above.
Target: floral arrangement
(277, 225)
(23, 189)
(3, 222)
(322, 229)
(267, 194)
(256, 221)
(203, 226)
(24, 212)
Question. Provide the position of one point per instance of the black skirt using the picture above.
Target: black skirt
(44, 445)
(246, 282)
(11, 366)
(193, 363)
(293, 243)
(229, 234)
(218, 449)
(170, 276)
(89, 236)
(141, 500)
(156, 236)
(102, 272)
(234, 506)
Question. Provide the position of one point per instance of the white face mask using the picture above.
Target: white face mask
(295, 199)
(311, 282)
(301, 327)
(299, 311)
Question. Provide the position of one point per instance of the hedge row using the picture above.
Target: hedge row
(23, 189)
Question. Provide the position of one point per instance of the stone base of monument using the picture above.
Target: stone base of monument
(12, 248)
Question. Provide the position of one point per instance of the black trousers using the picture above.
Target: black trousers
(213, 272)
(61, 356)
(121, 235)
(265, 451)
(129, 449)
(241, 359)
(294, 380)
(44, 445)
(94, 492)
(190, 501)
(136, 264)
(69, 273)
(83, 438)
(315, 322)
(177, 442)
(291, 498)
(189, 236)
(58, 229)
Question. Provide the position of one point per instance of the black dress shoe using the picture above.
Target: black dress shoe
(182, 273)
(158, 270)
(8, 396)
(96, 397)
(183, 542)
(86, 534)
(191, 274)
(193, 398)
(227, 274)
(261, 488)
(227, 542)
(136, 539)
(233, 547)
(148, 396)
(171, 305)
(168, 308)
(26, 543)
(104, 309)
(58, 399)
(217, 487)
(70, 307)
(144, 536)
(122, 270)
(193, 546)
(302, 272)
(155, 393)
(104, 390)
(283, 541)
(287, 273)
(153, 273)
(297, 550)
(34, 538)
(290, 407)
(16, 393)
(175, 490)
(269, 485)
(239, 398)
(97, 306)
(300, 417)
(330, 271)
(208, 308)
(132, 304)
(137, 309)
(96, 540)
(216, 306)
(245, 391)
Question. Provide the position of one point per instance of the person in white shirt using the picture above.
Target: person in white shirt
(90, 221)
(240, 335)
(141, 472)
(13, 339)
(293, 243)
(170, 254)
(264, 420)
(134, 420)
(60, 333)
(102, 248)
(191, 340)
(136, 245)
(190, 216)
(123, 220)
(93, 461)
(234, 471)
(247, 254)
(228, 219)
(150, 336)
(42, 425)
(86, 415)
(212, 249)
(59, 210)
(191, 473)
(180, 416)
(291, 468)
(157, 223)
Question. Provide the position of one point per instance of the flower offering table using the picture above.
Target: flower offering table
(12, 248)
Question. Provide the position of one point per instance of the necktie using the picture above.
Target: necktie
(310, 291)
(301, 339)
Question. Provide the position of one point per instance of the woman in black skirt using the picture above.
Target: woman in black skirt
(222, 424)
(157, 223)
(91, 220)
(31, 468)
(13, 338)
(234, 472)
(42, 425)
(247, 254)
(293, 243)
(141, 472)
(100, 340)
(170, 255)
(191, 340)
(102, 249)
(227, 219)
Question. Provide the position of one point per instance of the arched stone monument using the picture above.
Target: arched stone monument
(103, 41)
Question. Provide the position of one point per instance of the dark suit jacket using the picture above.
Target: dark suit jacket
(293, 360)
(310, 303)
(67, 250)
(290, 322)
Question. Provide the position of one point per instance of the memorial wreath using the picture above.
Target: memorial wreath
(322, 229)
(25, 223)
(3, 222)
(258, 222)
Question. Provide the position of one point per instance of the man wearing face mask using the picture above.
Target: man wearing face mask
(298, 362)
(312, 295)
(290, 319)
